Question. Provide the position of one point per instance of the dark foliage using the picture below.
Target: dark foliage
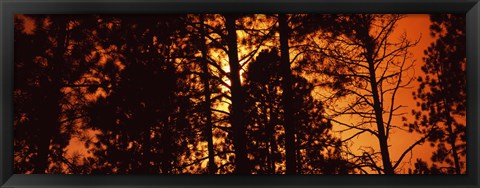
(219, 94)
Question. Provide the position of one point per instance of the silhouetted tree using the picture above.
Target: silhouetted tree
(265, 122)
(238, 98)
(262, 88)
(421, 167)
(442, 92)
(248, 45)
(148, 113)
(295, 35)
(232, 93)
(44, 83)
(317, 150)
(287, 95)
(212, 167)
(375, 66)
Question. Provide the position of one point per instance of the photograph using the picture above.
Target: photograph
(156, 94)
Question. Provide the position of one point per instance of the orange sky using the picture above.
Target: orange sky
(415, 26)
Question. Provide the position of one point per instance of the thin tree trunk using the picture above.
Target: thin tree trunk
(287, 96)
(271, 131)
(451, 135)
(238, 100)
(268, 135)
(382, 137)
(48, 124)
(212, 168)
(452, 139)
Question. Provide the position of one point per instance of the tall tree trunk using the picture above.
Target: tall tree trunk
(266, 122)
(382, 137)
(271, 130)
(238, 99)
(268, 131)
(452, 138)
(287, 95)
(48, 123)
(47, 127)
(212, 168)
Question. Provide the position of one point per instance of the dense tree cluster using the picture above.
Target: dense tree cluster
(228, 93)
(442, 97)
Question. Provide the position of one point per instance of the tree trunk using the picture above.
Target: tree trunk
(238, 101)
(382, 137)
(212, 168)
(47, 127)
(268, 131)
(48, 123)
(271, 130)
(287, 96)
(451, 135)
(452, 138)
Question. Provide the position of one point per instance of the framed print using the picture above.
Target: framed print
(239, 93)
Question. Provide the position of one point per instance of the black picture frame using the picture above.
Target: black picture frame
(8, 8)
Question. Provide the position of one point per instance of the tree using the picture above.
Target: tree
(148, 113)
(218, 53)
(44, 86)
(287, 95)
(375, 69)
(238, 101)
(317, 150)
(262, 86)
(212, 167)
(421, 167)
(441, 95)
(300, 28)
(206, 93)
(265, 122)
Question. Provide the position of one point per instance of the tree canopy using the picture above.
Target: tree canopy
(234, 93)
